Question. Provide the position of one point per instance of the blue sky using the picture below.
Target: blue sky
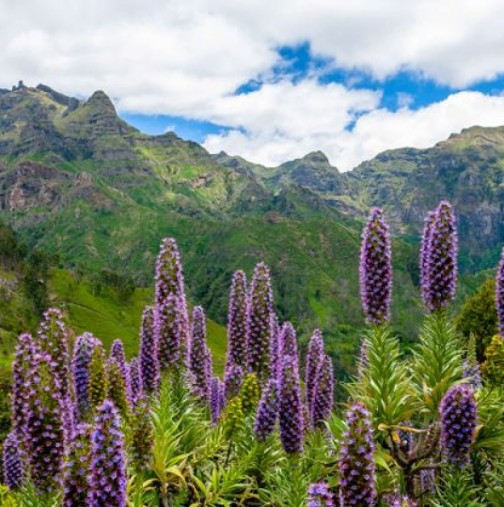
(271, 81)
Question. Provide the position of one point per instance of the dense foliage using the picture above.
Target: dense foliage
(424, 429)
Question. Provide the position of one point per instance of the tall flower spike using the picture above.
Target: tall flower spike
(237, 320)
(314, 357)
(424, 254)
(376, 269)
(149, 355)
(77, 466)
(44, 427)
(288, 341)
(267, 411)
(458, 419)
(98, 383)
(250, 393)
(171, 318)
(215, 399)
(499, 294)
(108, 479)
(440, 279)
(275, 348)
(117, 392)
(22, 368)
(83, 351)
(13, 469)
(319, 495)
(233, 380)
(117, 352)
(200, 356)
(259, 323)
(323, 394)
(135, 376)
(291, 408)
(142, 435)
(356, 465)
(53, 338)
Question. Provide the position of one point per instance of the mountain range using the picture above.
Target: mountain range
(83, 186)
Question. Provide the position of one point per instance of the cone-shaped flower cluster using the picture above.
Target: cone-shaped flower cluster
(267, 411)
(259, 323)
(275, 348)
(117, 392)
(234, 418)
(135, 376)
(13, 469)
(250, 393)
(439, 265)
(142, 434)
(233, 381)
(117, 353)
(216, 398)
(499, 294)
(237, 320)
(53, 339)
(323, 394)
(44, 427)
(314, 358)
(288, 342)
(149, 354)
(98, 381)
(356, 466)
(319, 495)
(76, 467)
(24, 363)
(291, 407)
(376, 269)
(200, 359)
(458, 419)
(83, 351)
(171, 318)
(108, 462)
(424, 254)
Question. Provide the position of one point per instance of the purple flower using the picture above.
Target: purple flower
(83, 351)
(117, 391)
(356, 465)
(376, 269)
(472, 373)
(323, 393)
(275, 348)
(288, 342)
(53, 339)
(314, 357)
(76, 467)
(135, 376)
(142, 434)
(267, 411)
(13, 469)
(319, 495)
(424, 254)
(45, 435)
(439, 273)
(216, 395)
(117, 352)
(149, 355)
(499, 294)
(237, 320)
(233, 381)
(108, 478)
(458, 419)
(98, 382)
(171, 318)
(259, 323)
(200, 359)
(291, 407)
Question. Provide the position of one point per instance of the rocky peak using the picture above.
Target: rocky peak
(316, 157)
(100, 101)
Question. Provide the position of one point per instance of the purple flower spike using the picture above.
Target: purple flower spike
(168, 332)
(45, 435)
(149, 355)
(356, 465)
(83, 351)
(267, 411)
(291, 408)
(135, 376)
(200, 362)
(141, 435)
(108, 479)
(13, 469)
(376, 269)
(118, 354)
(275, 349)
(216, 393)
(424, 254)
(499, 295)
(319, 495)
(259, 323)
(233, 381)
(237, 321)
(314, 357)
(53, 338)
(439, 274)
(323, 394)
(77, 466)
(288, 341)
(458, 419)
